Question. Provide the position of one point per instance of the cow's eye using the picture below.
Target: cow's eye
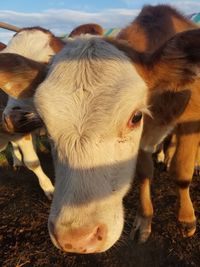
(135, 119)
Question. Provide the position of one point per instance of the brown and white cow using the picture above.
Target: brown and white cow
(175, 107)
(39, 44)
(91, 101)
(94, 164)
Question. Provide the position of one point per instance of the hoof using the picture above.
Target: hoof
(187, 228)
(47, 187)
(141, 229)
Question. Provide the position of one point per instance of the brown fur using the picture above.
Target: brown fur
(19, 76)
(93, 29)
(169, 63)
(2, 46)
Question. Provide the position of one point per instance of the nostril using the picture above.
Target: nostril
(79, 240)
(99, 238)
(101, 233)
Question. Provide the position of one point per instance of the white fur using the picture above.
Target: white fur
(86, 101)
(33, 44)
(31, 161)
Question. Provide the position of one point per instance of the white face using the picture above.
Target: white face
(91, 104)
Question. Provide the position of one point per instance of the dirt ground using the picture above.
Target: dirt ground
(24, 239)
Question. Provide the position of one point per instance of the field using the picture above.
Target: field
(24, 239)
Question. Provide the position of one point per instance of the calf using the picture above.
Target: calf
(97, 90)
(176, 108)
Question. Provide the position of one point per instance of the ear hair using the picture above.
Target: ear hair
(20, 76)
(176, 64)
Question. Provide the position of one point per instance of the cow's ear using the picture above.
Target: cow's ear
(174, 65)
(170, 73)
(91, 28)
(177, 63)
(20, 76)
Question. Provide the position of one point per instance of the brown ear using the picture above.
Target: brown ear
(20, 76)
(176, 64)
(90, 28)
(170, 73)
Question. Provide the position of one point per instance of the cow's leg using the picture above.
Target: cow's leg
(32, 162)
(142, 223)
(169, 153)
(17, 156)
(182, 167)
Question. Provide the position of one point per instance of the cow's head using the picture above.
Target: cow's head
(35, 43)
(91, 103)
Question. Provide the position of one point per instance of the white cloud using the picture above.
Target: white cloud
(61, 21)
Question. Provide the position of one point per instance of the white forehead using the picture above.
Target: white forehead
(89, 83)
(31, 43)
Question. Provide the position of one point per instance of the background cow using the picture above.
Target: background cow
(41, 45)
(176, 106)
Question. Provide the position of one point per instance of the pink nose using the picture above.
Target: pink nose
(82, 240)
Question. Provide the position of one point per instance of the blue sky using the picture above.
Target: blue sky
(86, 5)
(61, 16)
